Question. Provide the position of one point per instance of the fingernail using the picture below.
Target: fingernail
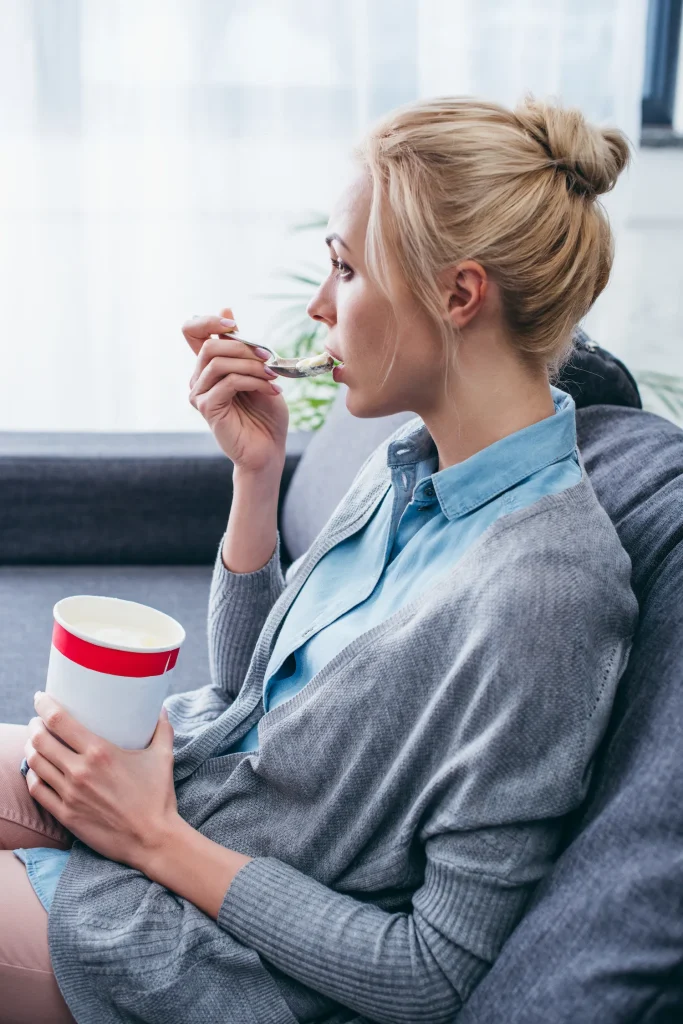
(271, 373)
(228, 323)
(276, 387)
(36, 695)
(262, 353)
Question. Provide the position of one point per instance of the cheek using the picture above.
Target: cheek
(365, 321)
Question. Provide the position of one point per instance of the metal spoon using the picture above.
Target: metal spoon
(287, 367)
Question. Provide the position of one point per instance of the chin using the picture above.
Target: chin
(366, 406)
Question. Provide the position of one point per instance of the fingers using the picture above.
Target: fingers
(45, 796)
(222, 393)
(199, 328)
(49, 747)
(61, 724)
(43, 768)
(221, 366)
(226, 348)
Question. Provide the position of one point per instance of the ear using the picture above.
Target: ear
(463, 288)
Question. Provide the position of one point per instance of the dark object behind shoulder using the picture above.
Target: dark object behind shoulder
(593, 376)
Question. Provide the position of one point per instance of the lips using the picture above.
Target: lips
(334, 355)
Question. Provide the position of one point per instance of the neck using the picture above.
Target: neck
(484, 401)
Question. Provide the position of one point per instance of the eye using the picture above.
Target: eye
(343, 269)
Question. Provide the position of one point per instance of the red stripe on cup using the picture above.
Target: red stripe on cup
(110, 661)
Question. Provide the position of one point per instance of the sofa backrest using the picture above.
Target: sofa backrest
(116, 499)
(602, 940)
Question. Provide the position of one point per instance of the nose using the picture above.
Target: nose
(321, 308)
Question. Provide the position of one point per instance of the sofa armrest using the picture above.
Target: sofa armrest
(126, 499)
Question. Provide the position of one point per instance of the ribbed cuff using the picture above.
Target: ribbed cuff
(477, 911)
(227, 585)
(247, 911)
(239, 604)
(281, 913)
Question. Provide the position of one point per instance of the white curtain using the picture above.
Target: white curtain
(155, 154)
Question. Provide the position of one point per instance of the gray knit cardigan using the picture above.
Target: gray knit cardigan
(402, 806)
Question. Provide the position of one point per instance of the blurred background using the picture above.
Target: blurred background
(161, 158)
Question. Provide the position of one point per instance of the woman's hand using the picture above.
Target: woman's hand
(234, 392)
(121, 803)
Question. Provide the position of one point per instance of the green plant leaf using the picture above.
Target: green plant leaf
(295, 335)
(303, 279)
(317, 222)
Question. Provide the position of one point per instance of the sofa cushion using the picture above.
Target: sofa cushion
(335, 453)
(29, 593)
(602, 940)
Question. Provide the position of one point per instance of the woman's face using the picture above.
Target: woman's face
(373, 341)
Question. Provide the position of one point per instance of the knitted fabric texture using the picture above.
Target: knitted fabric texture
(402, 806)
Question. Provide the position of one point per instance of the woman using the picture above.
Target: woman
(348, 823)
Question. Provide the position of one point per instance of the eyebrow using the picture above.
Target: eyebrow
(335, 237)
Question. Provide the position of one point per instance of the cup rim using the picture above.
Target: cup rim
(58, 617)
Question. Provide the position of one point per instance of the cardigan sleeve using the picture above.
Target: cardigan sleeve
(393, 967)
(239, 604)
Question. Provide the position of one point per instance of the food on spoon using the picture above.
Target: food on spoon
(313, 365)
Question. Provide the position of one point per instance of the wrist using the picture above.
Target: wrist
(172, 857)
(262, 481)
(154, 850)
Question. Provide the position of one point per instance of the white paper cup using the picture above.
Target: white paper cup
(111, 665)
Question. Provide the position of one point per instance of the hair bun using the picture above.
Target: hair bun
(591, 158)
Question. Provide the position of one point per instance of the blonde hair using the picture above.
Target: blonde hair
(460, 178)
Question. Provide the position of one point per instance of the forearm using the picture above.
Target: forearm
(187, 863)
(368, 959)
(251, 534)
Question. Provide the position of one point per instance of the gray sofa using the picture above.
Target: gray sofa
(137, 516)
(602, 940)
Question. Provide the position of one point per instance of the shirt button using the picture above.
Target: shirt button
(429, 491)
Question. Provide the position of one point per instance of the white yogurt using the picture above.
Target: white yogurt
(116, 635)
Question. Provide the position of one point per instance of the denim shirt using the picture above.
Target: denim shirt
(425, 523)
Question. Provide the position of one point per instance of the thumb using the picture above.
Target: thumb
(228, 313)
(163, 734)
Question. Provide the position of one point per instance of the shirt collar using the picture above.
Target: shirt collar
(498, 467)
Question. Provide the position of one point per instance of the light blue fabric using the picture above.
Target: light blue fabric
(44, 866)
(425, 523)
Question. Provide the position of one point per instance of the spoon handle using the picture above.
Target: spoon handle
(251, 344)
